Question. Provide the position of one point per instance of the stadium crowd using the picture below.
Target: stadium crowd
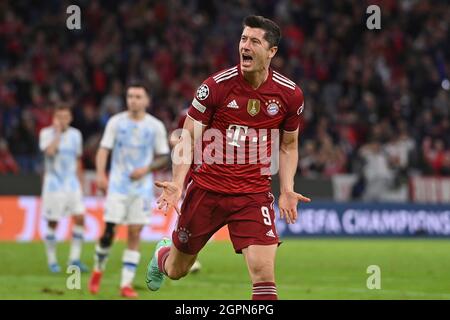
(376, 101)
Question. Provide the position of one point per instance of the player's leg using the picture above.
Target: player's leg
(260, 261)
(77, 243)
(78, 209)
(53, 209)
(138, 215)
(177, 264)
(103, 246)
(115, 211)
(253, 232)
(50, 246)
(130, 260)
(167, 261)
(101, 256)
(199, 220)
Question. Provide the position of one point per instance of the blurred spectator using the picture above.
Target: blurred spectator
(7, 162)
(23, 144)
(86, 118)
(399, 151)
(434, 154)
(378, 175)
(308, 160)
(112, 102)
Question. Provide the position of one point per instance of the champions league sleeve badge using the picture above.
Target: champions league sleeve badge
(202, 92)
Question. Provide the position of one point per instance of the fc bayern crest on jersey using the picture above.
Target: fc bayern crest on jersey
(273, 106)
(183, 235)
(202, 92)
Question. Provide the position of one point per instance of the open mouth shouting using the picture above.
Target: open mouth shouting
(246, 59)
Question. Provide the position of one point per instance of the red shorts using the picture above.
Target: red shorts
(250, 219)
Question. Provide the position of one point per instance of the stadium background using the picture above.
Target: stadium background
(374, 148)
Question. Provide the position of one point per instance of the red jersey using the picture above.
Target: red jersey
(241, 123)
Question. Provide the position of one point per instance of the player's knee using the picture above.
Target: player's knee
(176, 273)
(134, 235)
(108, 236)
(262, 273)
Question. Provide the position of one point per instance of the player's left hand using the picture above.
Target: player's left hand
(287, 203)
(138, 173)
(170, 196)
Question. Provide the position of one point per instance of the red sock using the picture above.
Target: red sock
(163, 253)
(264, 291)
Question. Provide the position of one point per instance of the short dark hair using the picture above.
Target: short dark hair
(273, 32)
(139, 84)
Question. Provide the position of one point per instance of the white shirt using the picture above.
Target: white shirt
(61, 169)
(134, 145)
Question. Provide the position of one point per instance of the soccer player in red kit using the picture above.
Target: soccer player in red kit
(233, 190)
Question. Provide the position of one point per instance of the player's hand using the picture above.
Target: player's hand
(287, 203)
(57, 126)
(139, 173)
(170, 196)
(102, 182)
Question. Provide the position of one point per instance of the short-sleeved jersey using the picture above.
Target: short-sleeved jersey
(247, 118)
(134, 145)
(61, 169)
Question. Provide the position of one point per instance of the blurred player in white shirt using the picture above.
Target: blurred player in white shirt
(61, 192)
(139, 146)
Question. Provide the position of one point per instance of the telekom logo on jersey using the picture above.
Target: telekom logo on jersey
(241, 145)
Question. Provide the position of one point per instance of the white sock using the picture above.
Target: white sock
(77, 242)
(100, 257)
(130, 261)
(50, 244)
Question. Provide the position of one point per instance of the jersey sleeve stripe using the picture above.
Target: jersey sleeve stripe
(223, 73)
(283, 78)
(283, 83)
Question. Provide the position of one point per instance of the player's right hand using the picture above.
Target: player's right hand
(170, 196)
(102, 182)
(57, 125)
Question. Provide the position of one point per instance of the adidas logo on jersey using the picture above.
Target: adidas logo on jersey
(233, 105)
(270, 233)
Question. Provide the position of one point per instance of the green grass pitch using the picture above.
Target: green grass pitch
(306, 269)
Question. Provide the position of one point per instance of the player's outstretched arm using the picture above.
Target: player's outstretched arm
(288, 200)
(182, 156)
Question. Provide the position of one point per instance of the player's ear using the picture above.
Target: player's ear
(272, 52)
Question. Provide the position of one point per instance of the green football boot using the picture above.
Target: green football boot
(155, 277)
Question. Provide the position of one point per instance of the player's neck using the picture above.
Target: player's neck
(257, 78)
(137, 116)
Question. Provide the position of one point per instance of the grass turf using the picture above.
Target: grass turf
(306, 269)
